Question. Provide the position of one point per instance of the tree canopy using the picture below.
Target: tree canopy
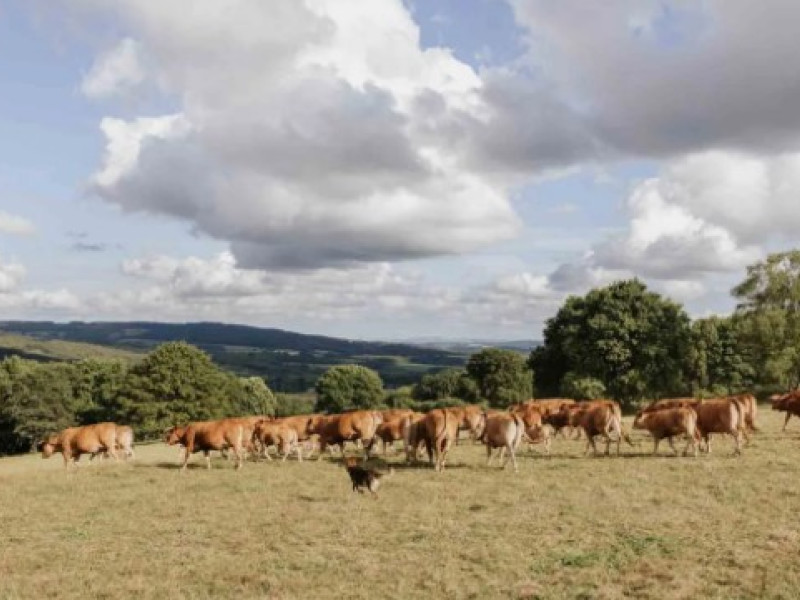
(502, 376)
(348, 387)
(768, 318)
(633, 341)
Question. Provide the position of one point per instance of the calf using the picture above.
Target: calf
(667, 423)
(74, 441)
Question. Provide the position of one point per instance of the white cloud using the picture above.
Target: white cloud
(114, 72)
(655, 78)
(15, 225)
(11, 275)
(310, 134)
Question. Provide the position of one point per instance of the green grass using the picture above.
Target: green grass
(564, 527)
(29, 347)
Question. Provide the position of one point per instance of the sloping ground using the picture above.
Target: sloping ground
(291, 362)
(58, 350)
(565, 527)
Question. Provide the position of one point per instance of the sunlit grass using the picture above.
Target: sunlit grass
(565, 527)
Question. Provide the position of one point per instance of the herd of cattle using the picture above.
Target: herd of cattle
(535, 421)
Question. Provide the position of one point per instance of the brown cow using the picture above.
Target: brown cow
(393, 427)
(504, 431)
(359, 425)
(667, 423)
(788, 403)
(599, 418)
(276, 433)
(720, 416)
(441, 430)
(74, 441)
(206, 436)
(751, 411)
(415, 435)
(124, 443)
(442, 426)
(540, 434)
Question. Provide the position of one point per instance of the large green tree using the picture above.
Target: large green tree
(175, 383)
(718, 364)
(631, 340)
(502, 376)
(768, 318)
(348, 387)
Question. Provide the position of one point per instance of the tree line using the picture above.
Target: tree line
(621, 341)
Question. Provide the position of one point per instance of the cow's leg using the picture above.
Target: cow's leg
(786, 422)
(690, 442)
(672, 445)
(707, 439)
(503, 458)
(656, 442)
(208, 458)
(187, 452)
(737, 438)
(488, 455)
(513, 458)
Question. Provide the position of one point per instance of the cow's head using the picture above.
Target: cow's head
(638, 421)
(48, 445)
(173, 435)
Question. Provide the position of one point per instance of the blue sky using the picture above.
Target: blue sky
(445, 168)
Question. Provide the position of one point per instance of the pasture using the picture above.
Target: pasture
(564, 527)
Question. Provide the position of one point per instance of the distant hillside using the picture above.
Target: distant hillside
(58, 350)
(468, 346)
(290, 361)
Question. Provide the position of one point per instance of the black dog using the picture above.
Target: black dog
(364, 478)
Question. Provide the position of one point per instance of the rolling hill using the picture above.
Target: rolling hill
(290, 361)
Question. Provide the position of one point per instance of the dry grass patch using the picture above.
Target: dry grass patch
(565, 527)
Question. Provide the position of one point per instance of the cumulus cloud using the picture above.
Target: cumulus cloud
(308, 135)
(114, 72)
(660, 78)
(15, 225)
(11, 275)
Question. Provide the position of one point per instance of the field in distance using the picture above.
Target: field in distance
(564, 527)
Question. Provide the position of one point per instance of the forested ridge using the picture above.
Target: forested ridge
(621, 341)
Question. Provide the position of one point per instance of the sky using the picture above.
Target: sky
(390, 170)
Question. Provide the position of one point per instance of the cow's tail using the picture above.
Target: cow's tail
(520, 430)
(441, 438)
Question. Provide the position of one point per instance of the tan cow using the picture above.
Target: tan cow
(540, 434)
(751, 410)
(74, 441)
(356, 426)
(503, 431)
(206, 436)
(441, 430)
(720, 415)
(599, 418)
(393, 427)
(276, 433)
(667, 423)
(414, 436)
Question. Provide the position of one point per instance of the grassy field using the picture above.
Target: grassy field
(28, 347)
(564, 527)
